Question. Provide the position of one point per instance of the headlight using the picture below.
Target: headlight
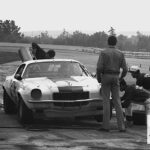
(36, 93)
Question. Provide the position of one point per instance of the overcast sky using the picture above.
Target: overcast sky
(90, 15)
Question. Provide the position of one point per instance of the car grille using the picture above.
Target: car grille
(70, 104)
(71, 96)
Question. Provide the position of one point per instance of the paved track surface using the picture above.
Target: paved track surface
(64, 134)
(67, 134)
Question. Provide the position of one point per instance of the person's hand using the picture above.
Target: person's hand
(139, 87)
(120, 79)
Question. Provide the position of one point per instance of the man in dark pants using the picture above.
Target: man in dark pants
(110, 61)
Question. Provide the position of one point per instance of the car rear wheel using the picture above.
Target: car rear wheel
(25, 115)
(9, 105)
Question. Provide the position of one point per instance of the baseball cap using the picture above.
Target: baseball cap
(134, 69)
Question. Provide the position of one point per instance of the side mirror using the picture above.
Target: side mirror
(93, 74)
(18, 77)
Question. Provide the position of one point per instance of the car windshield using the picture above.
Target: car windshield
(54, 70)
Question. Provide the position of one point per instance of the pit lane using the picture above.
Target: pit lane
(67, 134)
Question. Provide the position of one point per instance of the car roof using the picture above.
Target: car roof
(50, 60)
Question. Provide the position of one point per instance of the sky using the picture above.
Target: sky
(81, 15)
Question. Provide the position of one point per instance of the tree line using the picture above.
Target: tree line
(10, 32)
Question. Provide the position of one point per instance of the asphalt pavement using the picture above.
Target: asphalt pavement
(67, 134)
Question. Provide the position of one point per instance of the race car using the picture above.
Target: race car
(52, 88)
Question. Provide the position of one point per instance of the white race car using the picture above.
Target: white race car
(52, 88)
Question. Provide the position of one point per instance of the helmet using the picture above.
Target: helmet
(134, 69)
(51, 53)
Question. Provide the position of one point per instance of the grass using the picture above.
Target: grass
(6, 57)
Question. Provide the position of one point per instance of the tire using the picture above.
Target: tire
(9, 105)
(99, 118)
(25, 115)
(139, 118)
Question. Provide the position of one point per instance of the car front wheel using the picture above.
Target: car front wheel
(9, 105)
(25, 115)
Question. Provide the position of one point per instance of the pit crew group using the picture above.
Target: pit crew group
(110, 61)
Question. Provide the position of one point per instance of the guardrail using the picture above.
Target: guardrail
(142, 55)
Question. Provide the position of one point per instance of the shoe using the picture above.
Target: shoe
(123, 130)
(103, 129)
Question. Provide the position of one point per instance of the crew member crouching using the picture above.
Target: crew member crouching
(132, 94)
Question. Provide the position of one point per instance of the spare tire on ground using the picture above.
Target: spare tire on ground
(139, 118)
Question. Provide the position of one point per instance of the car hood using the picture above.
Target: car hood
(51, 83)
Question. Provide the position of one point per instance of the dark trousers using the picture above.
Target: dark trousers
(110, 84)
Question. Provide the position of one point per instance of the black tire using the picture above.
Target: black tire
(139, 118)
(25, 115)
(9, 105)
(99, 118)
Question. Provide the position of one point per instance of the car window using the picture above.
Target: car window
(71, 69)
(32, 71)
(54, 70)
(20, 70)
(53, 67)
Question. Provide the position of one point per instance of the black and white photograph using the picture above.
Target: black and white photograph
(74, 75)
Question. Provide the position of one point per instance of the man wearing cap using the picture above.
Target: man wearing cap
(110, 61)
(142, 79)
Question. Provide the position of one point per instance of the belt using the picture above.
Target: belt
(113, 73)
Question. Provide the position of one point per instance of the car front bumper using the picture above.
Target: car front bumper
(61, 108)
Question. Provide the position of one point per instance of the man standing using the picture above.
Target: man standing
(110, 61)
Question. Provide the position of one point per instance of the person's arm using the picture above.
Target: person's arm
(124, 67)
(127, 95)
(99, 68)
(140, 80)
